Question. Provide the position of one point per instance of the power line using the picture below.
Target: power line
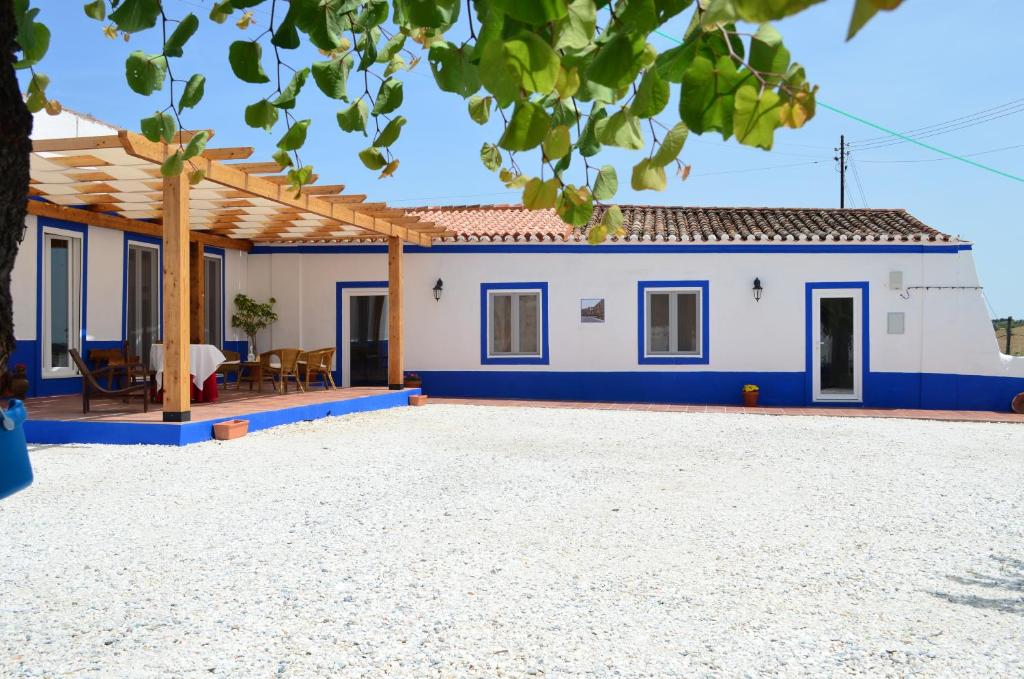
(940, 160)
(945, 130)
(1016, 105)
(856, 178)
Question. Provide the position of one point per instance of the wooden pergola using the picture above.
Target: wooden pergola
(114, 181)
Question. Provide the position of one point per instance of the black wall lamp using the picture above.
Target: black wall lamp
(757, 289)
(438, 289)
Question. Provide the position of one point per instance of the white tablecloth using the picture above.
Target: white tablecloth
(202, 362)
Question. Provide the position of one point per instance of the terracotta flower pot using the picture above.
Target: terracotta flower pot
(750, 398)
(413, 383)
(1017, 404)
(418, 400)
(231, 429)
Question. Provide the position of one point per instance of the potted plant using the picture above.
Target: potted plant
(251, 316)
(750, 395)
(19, 382)
(413, 381)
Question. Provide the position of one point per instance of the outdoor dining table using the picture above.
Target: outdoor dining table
(203, 361)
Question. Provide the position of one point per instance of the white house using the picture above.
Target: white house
(816, 306)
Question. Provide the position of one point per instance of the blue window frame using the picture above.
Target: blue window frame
(514, 323)
(673, 325)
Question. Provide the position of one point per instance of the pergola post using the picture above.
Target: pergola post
(177, 383)
(197, 293)
(395, 374)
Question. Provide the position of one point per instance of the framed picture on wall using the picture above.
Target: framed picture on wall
(592, 310)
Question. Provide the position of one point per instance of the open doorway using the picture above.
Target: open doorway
(368, 340)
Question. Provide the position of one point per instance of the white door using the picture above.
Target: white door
(837, 344)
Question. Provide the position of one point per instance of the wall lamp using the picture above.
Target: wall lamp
(757, 290)
(438, 289)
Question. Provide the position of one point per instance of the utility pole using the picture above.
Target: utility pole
(1009, 334)
(841, 159)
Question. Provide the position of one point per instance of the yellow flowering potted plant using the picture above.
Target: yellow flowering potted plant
(750, 394)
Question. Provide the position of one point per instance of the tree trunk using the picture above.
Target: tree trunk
(15, 148)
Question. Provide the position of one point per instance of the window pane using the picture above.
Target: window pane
(686, 322)
(657, 322)
(501, 324)
(60, 333)
(150, 306)
(213, 301)
(529, 324)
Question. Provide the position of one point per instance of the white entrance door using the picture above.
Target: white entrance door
(837, 344)
(363, 347)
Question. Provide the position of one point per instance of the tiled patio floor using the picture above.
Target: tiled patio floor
(943, 415)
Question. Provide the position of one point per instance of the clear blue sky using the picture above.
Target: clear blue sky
(928, 62)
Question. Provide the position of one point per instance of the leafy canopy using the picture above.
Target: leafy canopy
(559, 80)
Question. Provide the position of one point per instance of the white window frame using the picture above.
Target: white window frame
(220, 302)
(516, 339)
(856, 395)
(673, 325)
(75, 299)
(137, 245)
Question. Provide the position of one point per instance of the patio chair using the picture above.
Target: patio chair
(91, 387)
(280, 364)
(232, 366)
(116, 358)
(318, 362)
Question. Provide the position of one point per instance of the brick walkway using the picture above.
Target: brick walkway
(943, 415)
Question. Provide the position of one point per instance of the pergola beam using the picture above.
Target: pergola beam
(229, 153)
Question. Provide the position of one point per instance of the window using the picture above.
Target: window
(142, 315)
(62, 301)
(673, 322)
(213, 324)
(514, 323)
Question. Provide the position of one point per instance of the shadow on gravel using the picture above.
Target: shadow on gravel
(1009, 579)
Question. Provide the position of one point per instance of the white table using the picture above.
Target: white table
(203, 360)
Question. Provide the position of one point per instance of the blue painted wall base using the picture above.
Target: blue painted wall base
(170, 434)
(881, 390)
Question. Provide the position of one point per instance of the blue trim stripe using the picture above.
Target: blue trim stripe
(545, 355)
(865, 367)
(641, 326)
(339, 315)
(648, 248)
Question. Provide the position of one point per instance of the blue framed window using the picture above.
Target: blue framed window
(673, 327)
(514, 323)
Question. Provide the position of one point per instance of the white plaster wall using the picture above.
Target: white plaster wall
(105, 284)
(236, 280)
(23, 283)
(67, 124)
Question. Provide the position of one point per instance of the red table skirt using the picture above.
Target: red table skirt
(207, 394)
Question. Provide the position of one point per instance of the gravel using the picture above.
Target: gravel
(455, 541)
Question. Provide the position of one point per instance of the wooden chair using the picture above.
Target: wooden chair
(232, 366)
(286, 365)
(318, 362)
(91, 387)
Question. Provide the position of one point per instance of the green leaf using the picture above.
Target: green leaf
(512, 180)
(453, 69)
(556, 143)
(498, 75)
(864, 10)
(197, 144)
(194, 90)
(36, 99)
(297, 178)
(648, 176)
(261, 114)
(575, 205)
(97, 9)
(617, 62)
(159, 127)
(354, 117)
(568, 82)
(756, 117)
(526, 128)
(651, 97)
(606, 184)
(540, 195)
(490, 156)
(286, 36)
(176, 40)
(282, 158)
(287, 97)
(622, 129)
(672, 63)
(706, 101)
(145, 72)
(34, 41)
(389, 97)
(577, 29)
(244, 57)
(427, 13)
(391, 48)
(480, 109)
(533, 12)
(132, 16)
(173, 165)
(612, 220)
(196, 176)
(367, 49)
(639, 17)
(374, 13)
(588, 144)
(671, 145)
(768, 56)
(295, 137)
(220, 12)
(534, 61)
(332, 76)
(372, 158)
(389, 135)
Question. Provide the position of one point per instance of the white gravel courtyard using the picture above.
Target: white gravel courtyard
(461, 541)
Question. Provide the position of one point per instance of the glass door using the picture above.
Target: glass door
(837, 345)
(143, 312)
(62, 302)
(368, 340)
(214, 311)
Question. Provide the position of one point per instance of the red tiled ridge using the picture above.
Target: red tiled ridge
(668, 224)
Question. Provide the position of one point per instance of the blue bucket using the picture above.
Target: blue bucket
(15, 468)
